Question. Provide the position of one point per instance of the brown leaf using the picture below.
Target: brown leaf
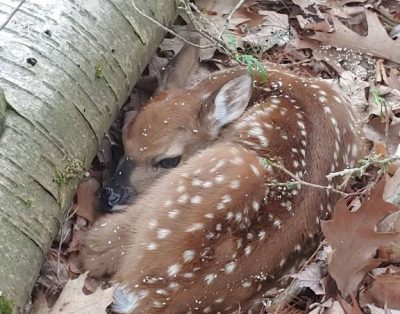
(78, 234)
(311, 277)
(350, 308)
(375, 131)
(377, 310)
(73, 300)
(392, 190)
(354, 240)
(344, 37)
(86, 199)
(308, 23)
(385, 290)
(274, 30)
(328, 307)
(391, 251)
(39, 305)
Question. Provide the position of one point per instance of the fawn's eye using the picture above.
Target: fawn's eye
(169, 162)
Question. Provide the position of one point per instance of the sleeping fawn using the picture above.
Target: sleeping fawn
(211, 228)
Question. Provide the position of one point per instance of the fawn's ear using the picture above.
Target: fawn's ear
(227, 104)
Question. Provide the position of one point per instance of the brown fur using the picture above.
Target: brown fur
(247, 248)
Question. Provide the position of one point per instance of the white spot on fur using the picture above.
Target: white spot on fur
(152, 223)
(207, 184)
(196, 199)
(255, 170)
(163, 233)
(209, 216)
(188, 255)
(235, 184)
(183, 199)
(173, 213)
(152, 246)
(230, 267)
(226, 199)
(247, 250)
(194, 227)
(210, 278)
(256, 206)
(126, 302)
(219, 179)
(174, 269)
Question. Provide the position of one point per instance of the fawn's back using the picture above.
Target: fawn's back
(214, 224)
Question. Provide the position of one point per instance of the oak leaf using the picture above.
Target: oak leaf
(73, 300)
(311, 277)
(384, 289)
(354, 240)
(377, 42)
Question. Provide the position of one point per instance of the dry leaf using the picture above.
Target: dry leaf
(274, 30)
(354, 240)
(344, 37)
(354, 88)
(309, 23)
(330, 306)
(86, 199)
(78, 233)
(392, 189)
(311, 278)
(73, 300)
(375, 131)
(353, 308)
(376, 310)
(384, 290)
(39, 305)
(391, 251)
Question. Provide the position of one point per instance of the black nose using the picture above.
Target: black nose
(111, 196)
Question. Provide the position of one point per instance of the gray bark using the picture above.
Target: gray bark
(88, 55)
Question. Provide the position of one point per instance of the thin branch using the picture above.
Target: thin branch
(228, 19)
(11, 15)
(204, 26)
(302, 182)
(170, 30)
(363, 168)
(292, 288)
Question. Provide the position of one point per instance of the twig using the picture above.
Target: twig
(291, 289)
(11, 15)
(170, 30)
(228, 19)
(204, 30)
(363, 168)
(302, 182)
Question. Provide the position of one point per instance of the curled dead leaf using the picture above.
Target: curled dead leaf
(73, 300)
(354, 239)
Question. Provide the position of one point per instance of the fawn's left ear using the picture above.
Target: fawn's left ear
(227, 104)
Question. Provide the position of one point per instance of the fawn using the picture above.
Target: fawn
(210, 229)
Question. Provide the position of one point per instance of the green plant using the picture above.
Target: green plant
(379, 101)
(73, 169)
(6, 305)
(99, 71)
(254, 66)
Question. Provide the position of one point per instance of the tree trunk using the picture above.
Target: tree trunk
(66, 67)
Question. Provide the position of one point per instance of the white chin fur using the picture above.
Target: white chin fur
(125, 302)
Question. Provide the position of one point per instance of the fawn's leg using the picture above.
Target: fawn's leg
(191, 234)
(105, 244)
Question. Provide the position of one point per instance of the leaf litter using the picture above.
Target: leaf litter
(352, 43)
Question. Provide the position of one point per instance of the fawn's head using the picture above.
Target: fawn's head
(169, 129)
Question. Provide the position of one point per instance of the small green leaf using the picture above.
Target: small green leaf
(254, 66)
(99, 73)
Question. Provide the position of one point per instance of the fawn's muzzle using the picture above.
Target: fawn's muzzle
(117, 193)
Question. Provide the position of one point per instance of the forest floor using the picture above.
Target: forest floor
(355, 44)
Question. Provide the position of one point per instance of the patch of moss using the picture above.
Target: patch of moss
(6, 305)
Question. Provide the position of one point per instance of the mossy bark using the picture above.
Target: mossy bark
(66, 68)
